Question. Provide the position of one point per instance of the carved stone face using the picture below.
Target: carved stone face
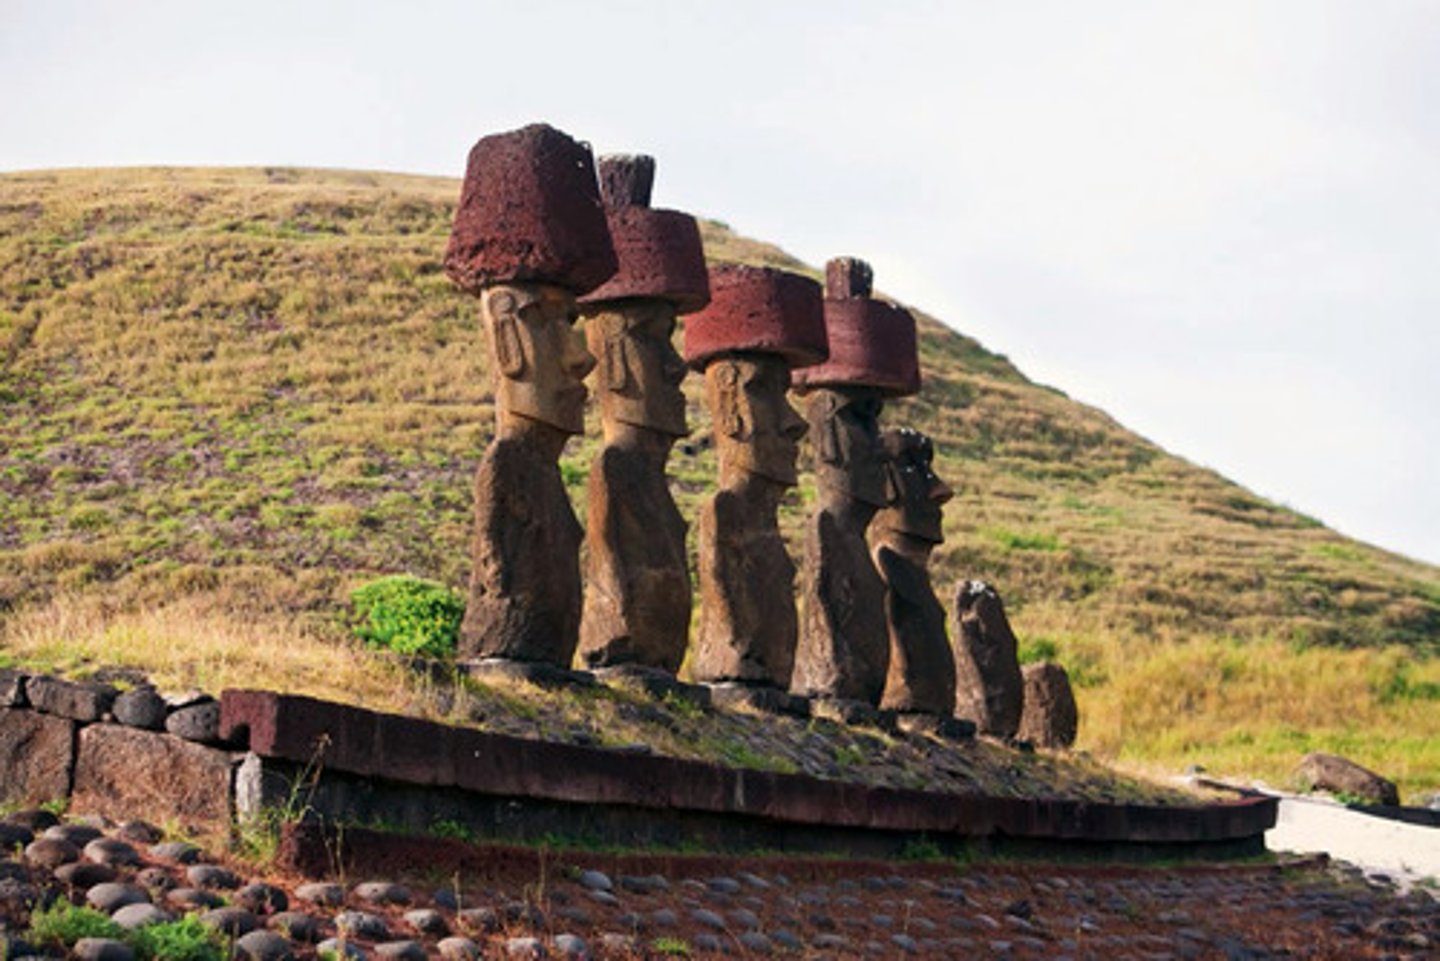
(540, 359)
(639, 371)
(916, 496)
(756, 429)
(846, 437)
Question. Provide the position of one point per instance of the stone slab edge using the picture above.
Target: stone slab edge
(305, 730)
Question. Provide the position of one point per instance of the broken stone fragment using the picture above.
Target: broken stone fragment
(988, 688)
(1049, 717)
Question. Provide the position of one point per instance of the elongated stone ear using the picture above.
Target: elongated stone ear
(616, 363)
(730, 419)
(828, 443)
(509, 353)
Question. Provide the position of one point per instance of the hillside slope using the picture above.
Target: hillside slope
(258, 383)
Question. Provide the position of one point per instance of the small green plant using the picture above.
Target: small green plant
(921, 849)
(446, 828)
(408, 615)
(186, 939)
(1037, 649)
(63, 923)
(671, 947)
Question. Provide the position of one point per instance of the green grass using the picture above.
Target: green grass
(256, 388)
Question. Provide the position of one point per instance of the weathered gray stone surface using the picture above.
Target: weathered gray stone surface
(36, 755)
(196, 722)
(129, 772)
(141, 707)
(525, 599)
(988, 686)
(1049, 717)
(77, 701)
(12, 688)
(1330, 772)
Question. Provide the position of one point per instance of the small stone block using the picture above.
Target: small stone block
(140, 707)
(626, 180)
(848, 278)
(79, 702)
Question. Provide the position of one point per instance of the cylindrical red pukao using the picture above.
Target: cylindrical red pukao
(758, 310)
(872, 342)
(530, 211)
(659, 250)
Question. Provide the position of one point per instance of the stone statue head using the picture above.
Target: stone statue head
(540, 359)
(846, 438)
(914, 495)
(639, 371)
(757, 432)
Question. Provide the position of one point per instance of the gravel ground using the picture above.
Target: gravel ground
(529, 903)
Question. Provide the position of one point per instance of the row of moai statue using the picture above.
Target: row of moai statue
(545, 238)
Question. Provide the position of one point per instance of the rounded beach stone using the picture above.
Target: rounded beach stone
(758, 310)
(479, 920)
(296, 925)
(381, 892)
(111, 851)
(428, 922)
(263, 946)
(198, 722)
(187, 899)
(14, 835)
(181, 852)
(84, 874)
(361, 924)
(458, 949)
(77, 834)
(400, 950)
(32, 819)
(155, 880)
(262, 898)
(111, 896)
(530, 211)
(596, 881)
(140, 707)
(133, 916)
(230, 920)
(571, 946)
(323, 894)
(336, 947)
(524, 948)
(212, 876)
(139, 832)
(101, 949)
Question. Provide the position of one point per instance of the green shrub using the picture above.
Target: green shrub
(187, 939)
(64, 923)
(408, 615)
(1037, 649)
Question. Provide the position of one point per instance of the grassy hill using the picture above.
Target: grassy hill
(228, 395)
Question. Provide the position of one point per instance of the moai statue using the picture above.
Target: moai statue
(921, 678)
(760, 323)
(989, 687)
(637, 583)
(844, 649)
(529, 235)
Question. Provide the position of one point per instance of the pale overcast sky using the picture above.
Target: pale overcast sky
(1218, 221)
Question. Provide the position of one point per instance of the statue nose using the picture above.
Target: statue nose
(940, 491)
(577, 359)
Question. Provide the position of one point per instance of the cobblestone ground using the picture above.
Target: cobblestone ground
(534, 904)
